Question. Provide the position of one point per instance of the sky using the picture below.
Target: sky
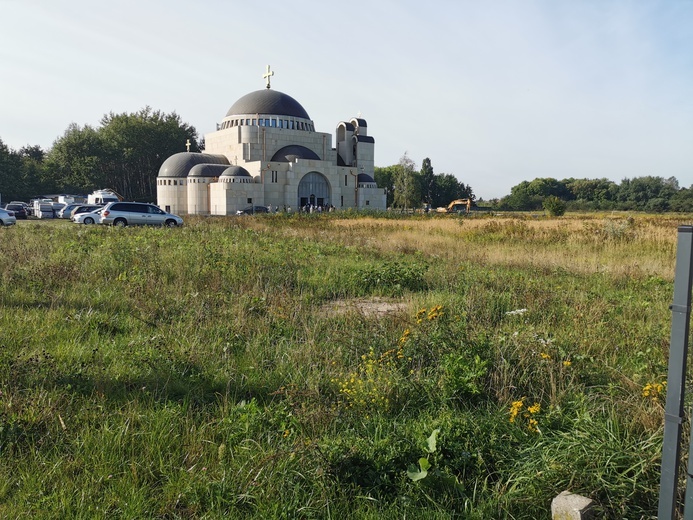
(495, 92)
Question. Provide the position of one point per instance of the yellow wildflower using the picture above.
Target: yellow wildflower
(535, 408)
(515, 408)
(533, 425)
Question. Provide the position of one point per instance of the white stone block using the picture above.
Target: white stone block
(568, 506)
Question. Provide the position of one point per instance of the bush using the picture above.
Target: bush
(554, 206)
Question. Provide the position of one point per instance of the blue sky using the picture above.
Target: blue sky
(495, 92)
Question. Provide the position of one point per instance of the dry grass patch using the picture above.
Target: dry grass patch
(617, 245)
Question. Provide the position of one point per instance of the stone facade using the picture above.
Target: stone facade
(266, 152)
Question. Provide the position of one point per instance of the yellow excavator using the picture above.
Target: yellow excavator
(457, 206)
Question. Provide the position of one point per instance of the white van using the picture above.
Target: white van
(102, 197)
(43, 208)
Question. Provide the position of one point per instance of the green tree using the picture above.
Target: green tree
(647, 193)
(528, 196)
(682, 200)
(77, 160)
(34, 179)
(136, 146)
(9, 172)
(406, 184)
(427, 180)
(599, 191)
(447, 188)
(21, 172)
(521, 198)
(124, 154)
(545, 187)
(384, 177)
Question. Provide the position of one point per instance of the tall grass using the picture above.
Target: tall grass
(208, 371)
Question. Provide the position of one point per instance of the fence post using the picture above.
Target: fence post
(678, 354)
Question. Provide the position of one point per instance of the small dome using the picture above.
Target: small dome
(207, 170)
(364, 177)
(180, 164)
(235, 171)
(294, 151)
(270, 102)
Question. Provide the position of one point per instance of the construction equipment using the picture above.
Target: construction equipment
(457, 206)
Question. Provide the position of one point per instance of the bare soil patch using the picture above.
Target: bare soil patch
(368, 307)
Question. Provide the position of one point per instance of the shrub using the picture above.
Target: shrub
(391, 277)
(554, 206)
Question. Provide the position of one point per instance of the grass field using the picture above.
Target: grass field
(334, 366)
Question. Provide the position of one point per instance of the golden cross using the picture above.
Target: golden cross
(267, 75)
(187, 144)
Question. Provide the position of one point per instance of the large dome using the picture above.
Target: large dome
(180, 164)
(269, 102)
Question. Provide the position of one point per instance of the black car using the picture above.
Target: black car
(252, 210)
(18, 209)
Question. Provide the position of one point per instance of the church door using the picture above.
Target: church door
(313, 189)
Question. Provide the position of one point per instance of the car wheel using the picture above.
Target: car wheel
(120, 222)
(170, 223)
(88, 220)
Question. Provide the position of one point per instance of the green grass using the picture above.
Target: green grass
(200, 373)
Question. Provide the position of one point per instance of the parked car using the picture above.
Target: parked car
(57, 208)
(137, 214)
(83, 208)
(66, 212)
(7, 218)
(26, 206)
(18, 209)
(93, 217)
(252, 210)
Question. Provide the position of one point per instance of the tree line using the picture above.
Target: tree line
(649, 193)
(124, 153)
(409, 188)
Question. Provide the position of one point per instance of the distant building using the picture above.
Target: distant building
(266, 152)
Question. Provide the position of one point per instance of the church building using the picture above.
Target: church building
(265, 152)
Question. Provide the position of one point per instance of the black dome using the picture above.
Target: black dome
(235, 171)
(207, 170)
(292, 152)
(180, 164)
(270, 102)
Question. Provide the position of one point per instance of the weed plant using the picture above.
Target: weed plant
(203, 372)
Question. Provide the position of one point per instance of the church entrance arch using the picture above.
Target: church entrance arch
(314, 189)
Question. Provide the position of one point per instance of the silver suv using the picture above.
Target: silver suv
(137, 214)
